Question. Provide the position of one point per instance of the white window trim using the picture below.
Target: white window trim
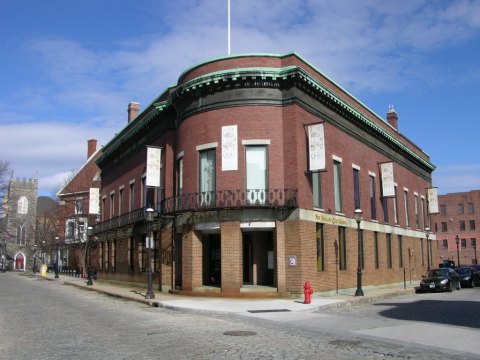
(337, 158)
(207, 146)
(180, 155)
(256, 142)
(356, 167)
(372, 174)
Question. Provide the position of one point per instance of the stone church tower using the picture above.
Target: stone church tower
(20, 211)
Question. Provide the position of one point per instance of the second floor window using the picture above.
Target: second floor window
(257, 182)
(317, 189)
(337, 184)
(373, 207)
(444, 226)
(78, 206)
(460, 208)
(356, 188)
(443, 210)
(472, 224)
(445, 244)
(207, 177)
(471, 208)
(462, 225)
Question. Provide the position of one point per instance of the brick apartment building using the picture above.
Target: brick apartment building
(74, 214)
(459, 218)
(263, 162)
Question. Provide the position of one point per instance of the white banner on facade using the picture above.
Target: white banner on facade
(316, 147)
(229, 148)
(388, 183)
(432, 198)
(154, 154)
(94, 201)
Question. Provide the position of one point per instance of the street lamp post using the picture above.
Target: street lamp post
(57, 251)
(89, 249)
(149, 215)
(358, 219)
(427, 235)
(457, 240)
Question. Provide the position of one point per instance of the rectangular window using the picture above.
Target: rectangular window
(131, 197)
(320, 248)
(100, 256)
(444, 226)
(473, 242)
(317, 189)
(395, 207)
(464, 243)
(120, 201)
(112, 205)
(373, 204)
(131, 254)
(471, 208)
(104, 207)
(179, 183)
(389, 250)
(385, 209)
(257, 180)
(375, 245)
(114, 254)
(400, 251)
(407, 214)
(106, 254)
(337, 184)
(472, 224)
(445, 244)
(342, 248)
(422, 253)
(462, 225)
(460, 209)
(443, 210)
(78, 206)
(141, 254)
(422, 209)
(207, 177)
(417, 215)
(356, 188)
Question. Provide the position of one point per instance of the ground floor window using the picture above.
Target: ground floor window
(342, 248)
(320, 248)
(389, 251)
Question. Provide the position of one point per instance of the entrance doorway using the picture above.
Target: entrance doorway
(20, 262)
(258, 258)
(212, 270)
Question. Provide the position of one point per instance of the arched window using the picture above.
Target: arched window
(21, 234)
(22, 205)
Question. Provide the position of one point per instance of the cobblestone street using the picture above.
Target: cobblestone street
(46, 320)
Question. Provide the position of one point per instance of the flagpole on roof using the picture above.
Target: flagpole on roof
(228, 27)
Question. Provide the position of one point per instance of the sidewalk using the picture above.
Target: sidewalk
(344, 298)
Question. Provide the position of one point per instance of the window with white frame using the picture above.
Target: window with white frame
(337, 185)
(22, 205)
(207, 174)
(256, 163)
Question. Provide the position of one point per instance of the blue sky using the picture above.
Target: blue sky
(68, 69)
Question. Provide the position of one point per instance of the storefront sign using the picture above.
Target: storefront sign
(330, 219)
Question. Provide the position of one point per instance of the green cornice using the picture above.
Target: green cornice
(130, 131)
(261, 77)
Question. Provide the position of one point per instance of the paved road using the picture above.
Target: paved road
(46, 320)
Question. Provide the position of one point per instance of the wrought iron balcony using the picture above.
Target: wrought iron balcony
(231, 199)
(205, 201)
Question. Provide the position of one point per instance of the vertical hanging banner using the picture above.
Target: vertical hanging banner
(316, 147)
(388, 183)
(229, 148)
(94, 201)
(432, 198)
(154, 154)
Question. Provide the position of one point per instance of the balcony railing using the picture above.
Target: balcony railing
(205, 201)
(231, 199)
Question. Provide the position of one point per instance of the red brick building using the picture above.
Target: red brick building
(73, 212)
(263, 162)
(459, 217)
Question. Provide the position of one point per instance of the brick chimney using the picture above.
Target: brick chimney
(392, 117)
(92, 147)
(133, 110)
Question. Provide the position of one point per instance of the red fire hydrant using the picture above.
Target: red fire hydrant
(307, 290)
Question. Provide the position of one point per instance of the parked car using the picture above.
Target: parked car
(469, 276)
(442, 279)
